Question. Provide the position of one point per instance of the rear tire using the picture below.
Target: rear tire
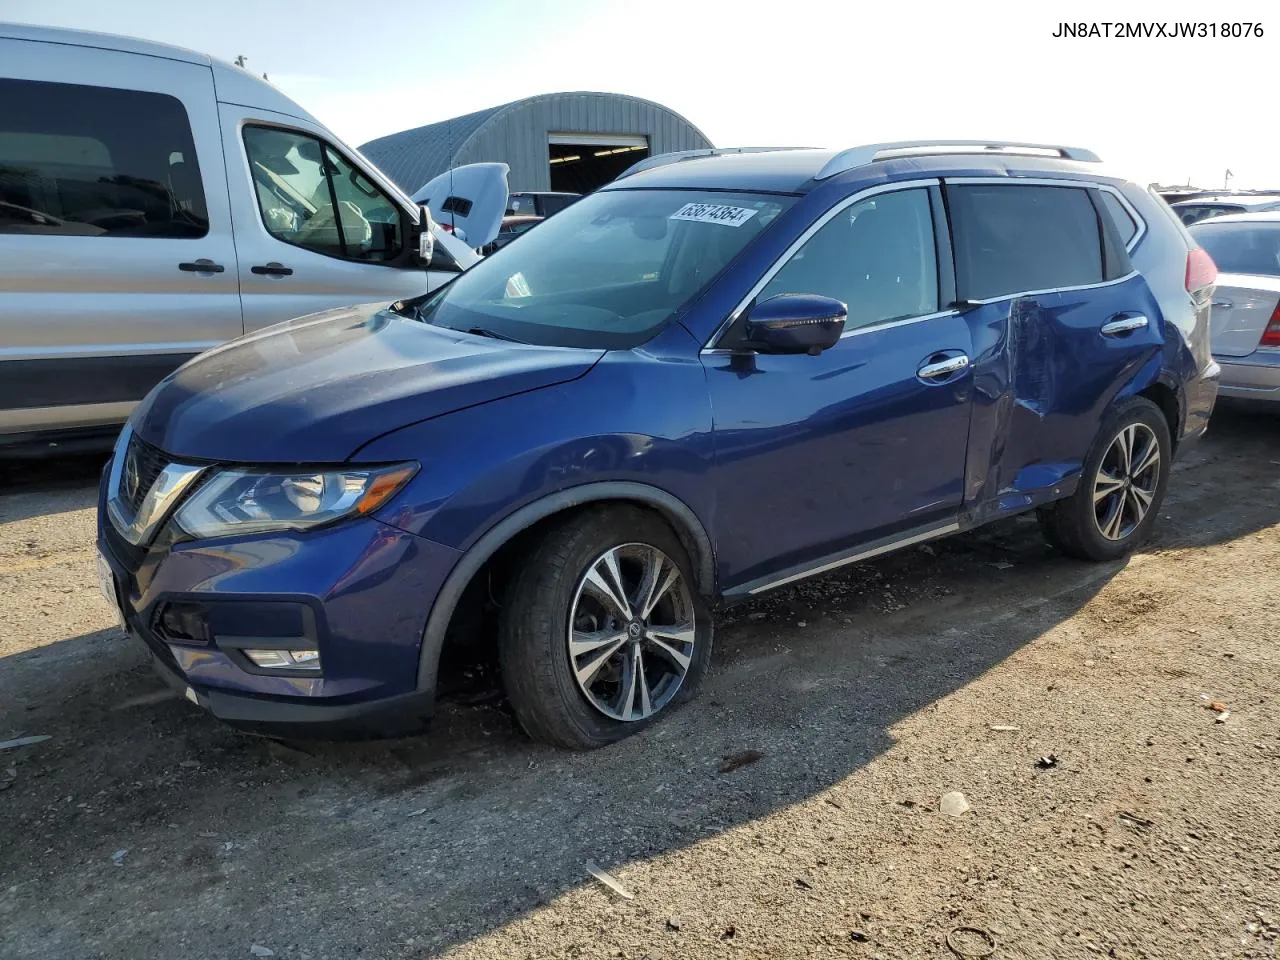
(609, 590)
(1122, 486)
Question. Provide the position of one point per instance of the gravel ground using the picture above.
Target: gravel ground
(846, 709)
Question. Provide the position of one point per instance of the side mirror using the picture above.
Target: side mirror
(795, 323)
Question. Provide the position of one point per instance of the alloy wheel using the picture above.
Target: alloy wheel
(632, 629)
(1126, 482)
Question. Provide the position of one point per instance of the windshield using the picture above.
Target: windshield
(608, 271)
(1252, 248)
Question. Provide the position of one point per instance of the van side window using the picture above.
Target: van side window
(300, 181)
(97, 162)
(877, 256)
(1020, 239)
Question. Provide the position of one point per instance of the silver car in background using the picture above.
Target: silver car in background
(1203, 208)
(1245, 320)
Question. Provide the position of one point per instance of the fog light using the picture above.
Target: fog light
(285, 659)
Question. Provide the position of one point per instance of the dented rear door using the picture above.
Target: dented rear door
(1048, 362)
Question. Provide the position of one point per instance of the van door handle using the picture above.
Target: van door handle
(272, 269)
(1118, 328)
(943, 368)
(203, 265)
(1223, 304)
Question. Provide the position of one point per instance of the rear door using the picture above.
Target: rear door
(1061, 324)
(116, 256)
(313, 230)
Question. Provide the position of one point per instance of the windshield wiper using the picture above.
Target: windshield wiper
(494, 334)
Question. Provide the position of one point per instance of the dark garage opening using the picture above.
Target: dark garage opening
(582, 167)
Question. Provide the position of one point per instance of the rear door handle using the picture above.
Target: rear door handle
(943, 368)
(272, 269)
(1118, 328)
(1223, 304)
(202, 265)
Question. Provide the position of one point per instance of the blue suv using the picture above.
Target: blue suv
(724, 372)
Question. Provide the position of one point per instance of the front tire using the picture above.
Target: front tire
(1122, 485)
(603, 630)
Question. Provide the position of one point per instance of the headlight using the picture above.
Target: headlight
(252, 501)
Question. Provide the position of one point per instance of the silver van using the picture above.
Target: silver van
(155, 202)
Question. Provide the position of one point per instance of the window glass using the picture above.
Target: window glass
(610, 270)
(1203, 211)
(297, 178)
(520, 203)
(877, 257)
(1017, 239)
(554, 204)
(1120, 217)
(1252, 248)
(97, 162)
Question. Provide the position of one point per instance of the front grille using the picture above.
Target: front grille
(142, 464)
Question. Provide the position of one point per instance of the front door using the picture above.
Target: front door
(865, 442)
(312, 230)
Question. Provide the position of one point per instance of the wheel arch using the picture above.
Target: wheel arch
(1164, 392)
(675, 511)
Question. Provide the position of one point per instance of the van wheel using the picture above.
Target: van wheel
(603, 631)
(1122, 486)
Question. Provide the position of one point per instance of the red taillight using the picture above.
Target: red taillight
(1201, 270)
(448, 228)
(1271, 335)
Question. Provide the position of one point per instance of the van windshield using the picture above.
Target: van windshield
(608, 271)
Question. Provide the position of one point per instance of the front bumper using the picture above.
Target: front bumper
(359, 591)
(298, 716)
(1255, 377)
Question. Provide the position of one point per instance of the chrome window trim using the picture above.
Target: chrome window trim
(1036, 293)
(857, 331)
(169, 486)
(785, 257)
(1063, 182)
(817, 225)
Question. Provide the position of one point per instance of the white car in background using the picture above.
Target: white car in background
(1245, 319)
(1204, 208)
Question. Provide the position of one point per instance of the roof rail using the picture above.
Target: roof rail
(662, 159)
(859, 156)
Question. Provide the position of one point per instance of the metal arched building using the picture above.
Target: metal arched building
(556, 141)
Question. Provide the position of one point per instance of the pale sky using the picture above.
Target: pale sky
(796, 73)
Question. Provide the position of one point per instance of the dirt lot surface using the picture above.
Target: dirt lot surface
(143, 828)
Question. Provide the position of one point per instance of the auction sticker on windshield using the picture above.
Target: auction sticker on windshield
(714, 213)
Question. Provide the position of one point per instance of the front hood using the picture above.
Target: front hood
(318, 388)
(470, 200)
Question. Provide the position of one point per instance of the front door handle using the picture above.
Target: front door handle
(272, 269)
(943, 368)
(1118, 328)
(203, 265)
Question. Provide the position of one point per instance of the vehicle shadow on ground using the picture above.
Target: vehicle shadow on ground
(31, 488)
(446, 837)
